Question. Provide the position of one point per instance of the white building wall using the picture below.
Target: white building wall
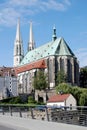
(55, 104)
(25, 80)
(71, 101)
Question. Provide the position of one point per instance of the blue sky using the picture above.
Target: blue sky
(69, 17)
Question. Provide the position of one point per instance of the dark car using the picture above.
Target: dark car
(40, 108)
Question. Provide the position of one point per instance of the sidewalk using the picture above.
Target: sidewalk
(17, 123)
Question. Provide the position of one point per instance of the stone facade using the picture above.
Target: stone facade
(54, 64)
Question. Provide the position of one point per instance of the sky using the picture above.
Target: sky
(68, 16)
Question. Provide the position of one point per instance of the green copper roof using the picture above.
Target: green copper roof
(58, 47)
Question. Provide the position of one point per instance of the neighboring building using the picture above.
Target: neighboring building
(60, 100)
(8, 82)
(51, 57)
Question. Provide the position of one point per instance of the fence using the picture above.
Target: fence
(74, 115)
(69, 115)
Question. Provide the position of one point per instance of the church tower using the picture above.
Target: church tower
(31, 44)
(54, 37)
(18, 47)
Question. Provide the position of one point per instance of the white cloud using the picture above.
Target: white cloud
(23, 3)
(80, 50)
(83, 33)
(53, 5)
(8, 16)
(67, 2)
(81, 54)
(12, 9)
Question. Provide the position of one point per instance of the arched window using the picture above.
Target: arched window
(61, 64)
(20, 50)
(17, 50)
(69, 68)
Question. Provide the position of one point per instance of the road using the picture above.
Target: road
(5, 128)
(11, 127)
(17, 123)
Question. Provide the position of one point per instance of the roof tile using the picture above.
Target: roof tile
(34, 65)
(58, 98)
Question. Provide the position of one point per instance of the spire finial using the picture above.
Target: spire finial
(31, 33)
(54, 37)
(18, 34)
(31, 44)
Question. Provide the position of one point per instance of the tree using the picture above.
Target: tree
(61, 77)
(83, 77)
(64, 88)
(83, 97)
(40, 81)
(80, 94)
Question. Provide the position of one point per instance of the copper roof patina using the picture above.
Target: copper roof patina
(58, 47)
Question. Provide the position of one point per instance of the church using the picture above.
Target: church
(52, 57)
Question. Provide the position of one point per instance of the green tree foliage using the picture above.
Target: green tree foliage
(61, 77)
(12, 100)
(80, 94)
(31, 100)
(83, 97)
(64, 88)
(83, 77)
(40, 82)
(15, 100)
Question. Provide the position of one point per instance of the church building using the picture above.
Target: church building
(52, 57)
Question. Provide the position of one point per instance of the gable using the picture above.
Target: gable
(63, 49)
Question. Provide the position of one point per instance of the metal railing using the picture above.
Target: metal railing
(39, 112)
(69, 115)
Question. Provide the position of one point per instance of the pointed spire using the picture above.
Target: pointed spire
(31, 44)
(54, 37)
(18, 46)
(31, 32)
(18, 34)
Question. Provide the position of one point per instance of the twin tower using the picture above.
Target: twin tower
(18, 45)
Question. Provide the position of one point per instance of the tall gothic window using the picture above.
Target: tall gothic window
(75, 71)
(61, 64)
(69, 68)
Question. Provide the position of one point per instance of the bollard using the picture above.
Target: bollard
(47, 115)
(20, 113)
(31, 109)
(3, 110)
(10, 110)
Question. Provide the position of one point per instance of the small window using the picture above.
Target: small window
(70, 106)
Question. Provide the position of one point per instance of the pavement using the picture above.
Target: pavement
(2, 127)
(17, 123)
